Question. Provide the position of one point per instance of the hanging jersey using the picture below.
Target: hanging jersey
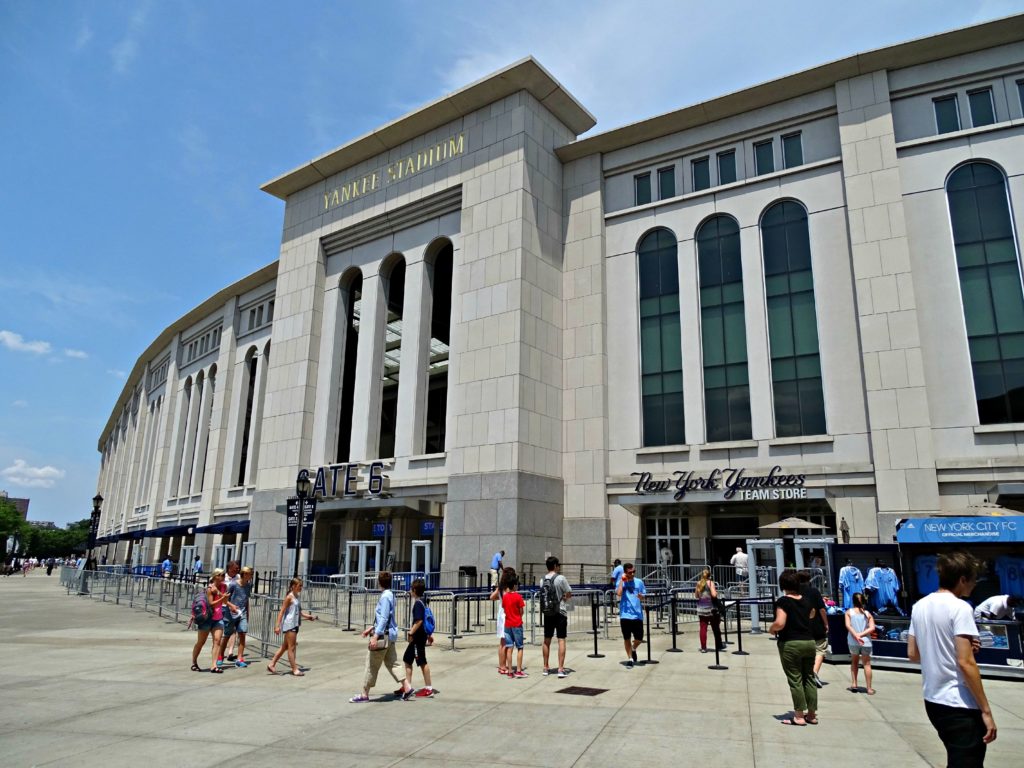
(927, 574)
(851, 581)
(1011, 574)
(888, 585)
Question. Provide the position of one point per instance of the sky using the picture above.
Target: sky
(135, 137)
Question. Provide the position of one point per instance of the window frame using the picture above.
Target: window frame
(718, 165)
(668, 171)
(770, 143)
(986, 90)
(798, 135)
(953, 97)
(637, 177)
(706, 160)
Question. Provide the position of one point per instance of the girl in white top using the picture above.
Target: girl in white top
(288, 620)
(860, 625)
(497, 594)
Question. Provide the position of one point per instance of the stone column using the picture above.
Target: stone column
(369, 366)
(898, 416)
(412, 387)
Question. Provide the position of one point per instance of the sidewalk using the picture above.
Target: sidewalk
(106, 685)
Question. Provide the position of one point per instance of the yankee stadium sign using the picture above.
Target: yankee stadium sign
(731, 482)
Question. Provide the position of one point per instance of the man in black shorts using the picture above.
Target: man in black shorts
(417, 648)
(556, 622)
(631, 592)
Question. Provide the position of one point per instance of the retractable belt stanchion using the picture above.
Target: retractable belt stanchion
(348, 623)
(717, 665)
(675, 626)
(725, 625)
(739, 631)
(647, 610)
(479, 623)
(593, 624)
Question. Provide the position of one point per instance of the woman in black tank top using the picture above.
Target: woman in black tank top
(792, 628)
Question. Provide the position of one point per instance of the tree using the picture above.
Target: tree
(11, 524)
(58, 542)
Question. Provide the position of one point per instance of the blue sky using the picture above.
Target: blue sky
(136, 135)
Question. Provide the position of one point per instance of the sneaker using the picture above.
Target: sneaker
(520, 673)
(817, 681)
(629, 664)
(546, 672)
(233, 657)
(425, 693)
(220, 663)
(562, 673)
(633, 654)
(241, 663)
(511, 674)
(399, 692)
(409, 695)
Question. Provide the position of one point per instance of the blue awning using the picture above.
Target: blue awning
(1004, 529)
(132, 535)
(168, 530)
(228, 526)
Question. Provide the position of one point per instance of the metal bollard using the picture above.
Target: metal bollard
(647, 610)
(675, 626)
(593, 623)
(348, 623)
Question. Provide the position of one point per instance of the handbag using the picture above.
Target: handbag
(382, 643)
(718, 606)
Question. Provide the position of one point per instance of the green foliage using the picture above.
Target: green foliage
(58, 542)
(11, 524)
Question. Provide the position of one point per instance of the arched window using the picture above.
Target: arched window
(661, 355)
(352, 290)
(251, 361)
(440, 272)
(989, 269)
(723, 331)
(394, 286)
(792, 322)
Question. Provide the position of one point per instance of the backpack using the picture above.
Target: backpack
(548, 597)
(428, 620)
(201, 612)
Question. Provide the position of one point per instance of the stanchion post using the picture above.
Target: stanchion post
(593, 624)
(647, 610)
(479, 623)
(739, 632)
(675, 625)
(725, 626)
(348, 622)
(718, 661)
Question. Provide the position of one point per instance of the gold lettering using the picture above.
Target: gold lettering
(335, 200)
(346, 193)
(374, 180)
(453, 148)
(409, 167)
(391, 174)
(325, 201)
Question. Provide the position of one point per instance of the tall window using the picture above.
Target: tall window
(727, 167)
(987, 261)
(353, 293)
(642, 188)
(395, 287)
(792, 322)
(947, 114)
(983, 111)
(666, 183)
(723, 331)
(701, 168)
(792, 150)
(440, 338)
(661, 355)
(764, 157)
(250, 397)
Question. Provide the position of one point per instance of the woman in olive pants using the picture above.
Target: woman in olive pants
(792, 628)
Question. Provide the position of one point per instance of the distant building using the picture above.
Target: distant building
(46, 524)
(19, 504)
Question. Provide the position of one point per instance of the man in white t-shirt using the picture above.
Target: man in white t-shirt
(739, 562)
(943, 639)
(996, 607)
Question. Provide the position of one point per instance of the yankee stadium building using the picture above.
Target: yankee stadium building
(482, 333)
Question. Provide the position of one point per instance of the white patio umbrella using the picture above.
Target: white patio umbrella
(792, 523)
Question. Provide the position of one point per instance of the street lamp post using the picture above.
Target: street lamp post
(94, 526)
(303, 485)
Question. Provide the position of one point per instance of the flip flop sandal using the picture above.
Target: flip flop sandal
(196, 668)
(811, 722)
(853, 690)
(792, 722)
(871, 691)
(216, 671)
(298, 674)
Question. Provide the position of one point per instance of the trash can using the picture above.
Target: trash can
(467, 576)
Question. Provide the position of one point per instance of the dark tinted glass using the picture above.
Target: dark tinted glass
(764, 159)
(726, 167)
(642, 185)
(947, 117)
(792, 150)
(666, 183)
(982, 111)
(701, 174)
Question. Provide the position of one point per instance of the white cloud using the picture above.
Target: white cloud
(20, 473)
(20, 404)
(76, 353)
(117, 374)
(83, 37)
(127, 48)
(16, 343)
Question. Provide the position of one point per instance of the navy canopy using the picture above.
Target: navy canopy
(228, 526)
(168, 530)
(131, 535)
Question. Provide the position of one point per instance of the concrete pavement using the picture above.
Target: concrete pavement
(108, 685)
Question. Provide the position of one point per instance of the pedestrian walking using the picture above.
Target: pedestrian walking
(289, 619)
(497, 566)
(236, 623)
(197, 566)
(212, 627)
(943, 638)
(514, 606)
(554, 596)
(706, 593)
(792, 628)
(231, 578)
(419, 639)
(860, 625)
(739, 561)
(819, 622)
(631, 593)
(507, 575)
(383, 634)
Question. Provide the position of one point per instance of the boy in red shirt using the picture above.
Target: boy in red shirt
(514, 605)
